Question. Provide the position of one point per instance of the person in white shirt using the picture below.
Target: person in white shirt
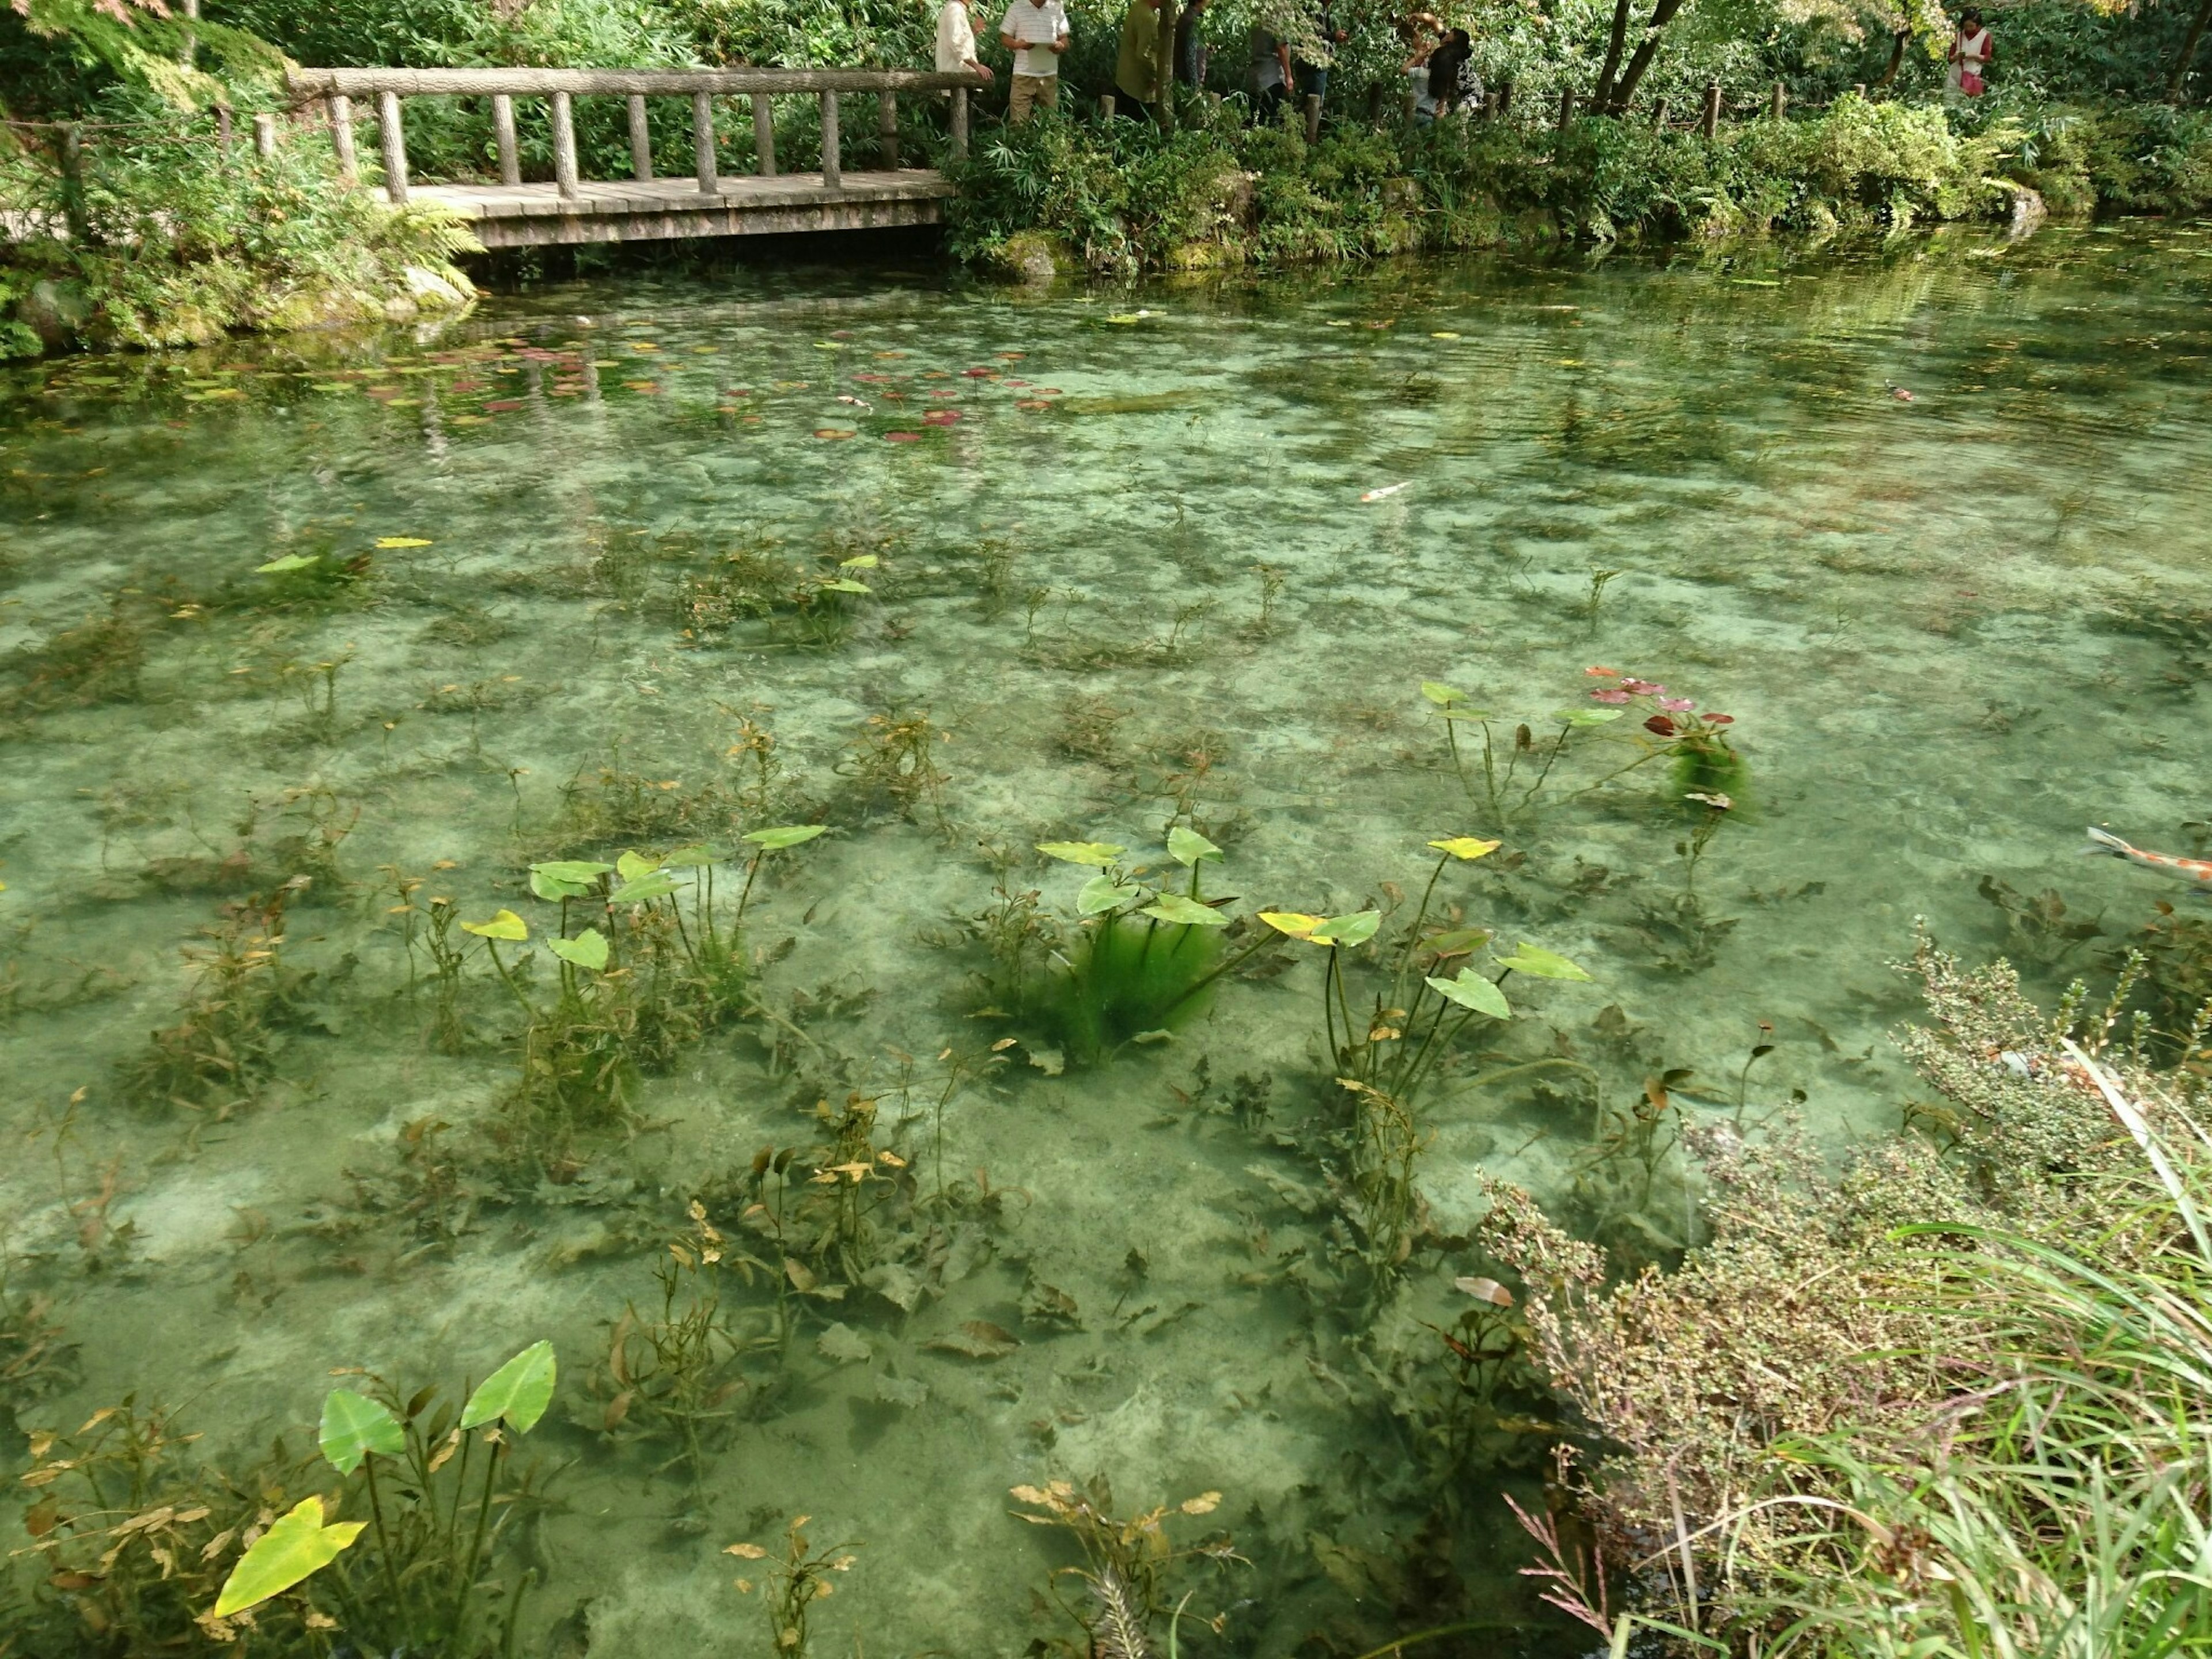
(955, 42)
(1036, 31)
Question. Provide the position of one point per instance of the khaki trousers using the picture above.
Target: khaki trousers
(1029, 90)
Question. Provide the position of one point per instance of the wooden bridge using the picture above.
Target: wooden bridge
(571, 209)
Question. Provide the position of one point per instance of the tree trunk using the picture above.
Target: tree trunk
(1164, 63)
(1662, 15)
(1896, 57)
(1602, 95)
(2188, 52)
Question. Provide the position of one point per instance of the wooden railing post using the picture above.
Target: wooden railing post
(222, 132)
(763, 136)
(1781, 100)
(341, 109)
(887, 128)
(641, 139)
(1313, 118)
(73, 214)
(959, 124)
(702, 142)
(394, 141)
(1505, 99)
(1659, 116)
(264, 136)
(1710, 125)
(1105, 107)
(1566, 108)
(503, 130)
(833, 163)
(565, 147)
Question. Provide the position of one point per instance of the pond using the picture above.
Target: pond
(1243, 594)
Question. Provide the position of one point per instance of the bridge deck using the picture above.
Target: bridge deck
(633, 210)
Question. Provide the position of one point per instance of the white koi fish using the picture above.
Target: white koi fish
(1387, 491)
(2197, 872)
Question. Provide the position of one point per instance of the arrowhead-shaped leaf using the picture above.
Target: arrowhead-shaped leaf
(1187, 847)
(1441, 695)
(1296, 923)
(518, 1392)
(588, 949)
(1188, 912)
(1467, 848)
(565, 878)
(1540, 965)
(291, 562)
(1470, 990)
(1096, 853)
(645, 887)
(631, 866)
(791, 834)
(295, 1547)
(689, 858)
(354, 1426)
(505, 925)
(1355, 929)
(1588, 716)
(1102, 893)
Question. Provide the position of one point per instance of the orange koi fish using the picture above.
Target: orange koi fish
(2196, 871)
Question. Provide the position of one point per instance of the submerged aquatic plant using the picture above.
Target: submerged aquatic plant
(1515, 766)
(796, 1581)
(1131, 1568)
(1141, 960)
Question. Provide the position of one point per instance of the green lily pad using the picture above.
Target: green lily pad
(517, 1393)
(631, 866)
(1441, 695)
(1186, 912)
(645, 887)
(790, 834)
(1096, 854)
(1105, 893)
(1355, 929)
(1187, 847)
(1470, 990)
(588, 949)
(1540, 965)
(505, 925)
(354, 1426)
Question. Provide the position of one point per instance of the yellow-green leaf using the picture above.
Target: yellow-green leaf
(295, 1547)
(1470, 990)
(1466, 847)
(1187, 847)
(505, 925)
(1185, 912)
(1355, 929)
(771, 840)
(401, 541)
(291, 562)
(1540, 965)
(354, 1426)
(1441, 695)
(1096, 853)
(1296, 923)
(588, 949)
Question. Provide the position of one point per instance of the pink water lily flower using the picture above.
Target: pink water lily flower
(1676, 705)
(1615, 696)
(1645, 688)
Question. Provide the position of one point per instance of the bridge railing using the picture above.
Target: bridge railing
(338, 88)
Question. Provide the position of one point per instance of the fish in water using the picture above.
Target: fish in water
(1387, 491)
(2197, 872)
(1901, 394)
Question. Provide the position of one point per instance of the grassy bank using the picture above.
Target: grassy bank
(1120, 197)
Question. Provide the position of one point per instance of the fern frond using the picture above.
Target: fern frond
(1119, 1632)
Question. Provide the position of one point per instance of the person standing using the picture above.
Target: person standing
(1136, 69)
(955, 42)
(1971, 52)
(1312, 78)
(1189, 45)
(1036, 31)
(1273, 80)
(1454, 83)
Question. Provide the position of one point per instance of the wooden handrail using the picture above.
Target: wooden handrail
(307, 83)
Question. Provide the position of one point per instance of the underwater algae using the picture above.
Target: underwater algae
(511, 838)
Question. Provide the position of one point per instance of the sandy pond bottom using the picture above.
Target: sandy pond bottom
(1119, 561)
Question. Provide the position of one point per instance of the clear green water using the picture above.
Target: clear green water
(1951, 631)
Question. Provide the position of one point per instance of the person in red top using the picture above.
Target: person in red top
(1971, 52)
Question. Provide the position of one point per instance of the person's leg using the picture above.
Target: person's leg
(1048, 91)
(1022, 93)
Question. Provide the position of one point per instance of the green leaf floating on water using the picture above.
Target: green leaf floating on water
(1470, 990)
(505, 925)
(632, 866)
(1587, 716)
(846, 585)
(1187, 847)
(791, 834)
(588, 949)
(1189, 913)
(644, 888)
(517, 1393)
(296, 1546)
(291, 562)
(1355, 929)
(1096, 853)
(1105, 893)
(1540, 965)
(1441, 695)
(354, 1426)
(561, 878)
(691, 857)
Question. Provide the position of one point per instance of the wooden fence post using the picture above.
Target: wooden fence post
(341, 109)
(393, 138)
(222, 132)
(887, 134)
(763, 136)
(1313, 118)
(565, 147)
(1781, 100)
(1659, 116)
(264, 136)
(502, 128)
(1710, 125)
(1505, 99)
(1566, 108)
(833, 160)
(641, 140)
(703, 143)
(1409, 107)
(1105, 107)
(959, 124)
